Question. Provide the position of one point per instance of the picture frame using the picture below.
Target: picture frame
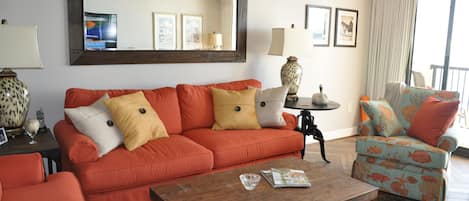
(3, 136)
(164, 31)
(318, 21)
(192, 32)
(346, 27)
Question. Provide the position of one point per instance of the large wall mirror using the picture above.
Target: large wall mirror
(157, 31)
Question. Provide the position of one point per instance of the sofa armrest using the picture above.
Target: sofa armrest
(366, 128)
(78, 148)
(451, 139)
(21, 170)
(290, 120)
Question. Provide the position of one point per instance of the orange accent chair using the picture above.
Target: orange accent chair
(22, 178)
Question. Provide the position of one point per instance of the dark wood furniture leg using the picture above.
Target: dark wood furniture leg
(309, 128)
(52, 155)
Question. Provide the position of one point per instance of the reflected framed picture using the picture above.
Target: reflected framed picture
(346, 27)
(164, 31)
(318, 21)
(192, 30)
(3, 136)
(100, 31)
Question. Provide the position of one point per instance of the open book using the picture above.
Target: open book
(280, 178)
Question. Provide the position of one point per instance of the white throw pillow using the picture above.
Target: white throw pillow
(269, 106)
(95, 122)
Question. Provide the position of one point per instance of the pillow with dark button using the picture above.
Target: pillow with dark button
(95, 122)
(269, 106)
(234, 109)
(136, 119)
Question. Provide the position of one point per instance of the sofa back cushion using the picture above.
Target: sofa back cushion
(411, 99)
(163, 100)
(196, 102)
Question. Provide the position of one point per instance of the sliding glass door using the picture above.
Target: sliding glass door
(441, 58)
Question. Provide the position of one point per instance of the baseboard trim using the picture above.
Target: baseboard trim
(336, 134)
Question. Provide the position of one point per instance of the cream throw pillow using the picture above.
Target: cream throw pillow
(269, 106)
(136, 119)
(95, 122)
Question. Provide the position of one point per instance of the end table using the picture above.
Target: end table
(46, 145)
(307, 120)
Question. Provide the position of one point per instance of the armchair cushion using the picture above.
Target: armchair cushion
(404, 149)
(78, 148)
(383, 118)
(451, 139)
(59, 187)
(21, 170)
(366, 128)
(433, 119)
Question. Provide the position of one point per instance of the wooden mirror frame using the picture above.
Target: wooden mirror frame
(79, 56)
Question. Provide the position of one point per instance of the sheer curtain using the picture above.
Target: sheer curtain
(391, 40)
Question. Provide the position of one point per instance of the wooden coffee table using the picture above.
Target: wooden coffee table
(326, 185)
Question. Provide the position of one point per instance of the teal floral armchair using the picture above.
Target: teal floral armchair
(404, 165)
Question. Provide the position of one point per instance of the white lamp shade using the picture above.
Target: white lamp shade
(216, 40)
(291, 42)
(19, 47)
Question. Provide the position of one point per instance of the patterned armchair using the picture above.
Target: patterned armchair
(403, 165)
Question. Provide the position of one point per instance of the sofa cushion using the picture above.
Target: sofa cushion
(136, 119)
(403, 149)
(163, 100)
(234, 109)
(232, 147)
(197, 104)
(156, 161)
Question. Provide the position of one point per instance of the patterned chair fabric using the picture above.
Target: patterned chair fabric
(403, 165)
(403, 149)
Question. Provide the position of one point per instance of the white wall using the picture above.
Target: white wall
(341, 70)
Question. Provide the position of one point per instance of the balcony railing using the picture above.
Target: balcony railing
(458, 80)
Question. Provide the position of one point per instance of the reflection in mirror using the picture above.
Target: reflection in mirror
(160, 25)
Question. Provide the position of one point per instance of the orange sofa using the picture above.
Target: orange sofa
(192, 148)
(22, 179)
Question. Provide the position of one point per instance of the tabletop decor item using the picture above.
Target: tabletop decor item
(18, 50)
(3, 136)
(31, 126)
(292, 43)
(320, 98)
(41, 118)
(250, 180)
(215, 41)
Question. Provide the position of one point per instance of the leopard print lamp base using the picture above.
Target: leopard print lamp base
(14, 101)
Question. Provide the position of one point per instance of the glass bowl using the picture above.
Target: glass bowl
(250, 180)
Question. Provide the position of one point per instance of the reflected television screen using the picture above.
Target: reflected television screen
(100, 31)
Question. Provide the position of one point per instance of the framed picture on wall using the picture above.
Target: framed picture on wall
(346, 27)
(164, 31)
(192, 30)
(318, 21)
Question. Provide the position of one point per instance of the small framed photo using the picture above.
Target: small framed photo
(3, 136)
(192, 30)
(346, 27)
(165, 31)
(318, 21)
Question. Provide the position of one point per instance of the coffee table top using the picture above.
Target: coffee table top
(326, 185)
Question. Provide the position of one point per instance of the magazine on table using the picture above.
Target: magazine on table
(283, 177)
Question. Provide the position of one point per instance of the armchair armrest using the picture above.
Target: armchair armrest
(366, 128)
(21, 170)
(451, 139)
(78, 148)
(290, 120)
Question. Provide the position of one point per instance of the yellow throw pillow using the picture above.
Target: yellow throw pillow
(136, 119)
(234, 109)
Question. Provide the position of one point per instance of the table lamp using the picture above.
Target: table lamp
(215, 41)
(292, 43)
(18, 50)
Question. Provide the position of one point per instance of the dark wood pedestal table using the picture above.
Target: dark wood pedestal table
(307, 120)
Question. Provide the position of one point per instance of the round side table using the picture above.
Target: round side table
(307, 120)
